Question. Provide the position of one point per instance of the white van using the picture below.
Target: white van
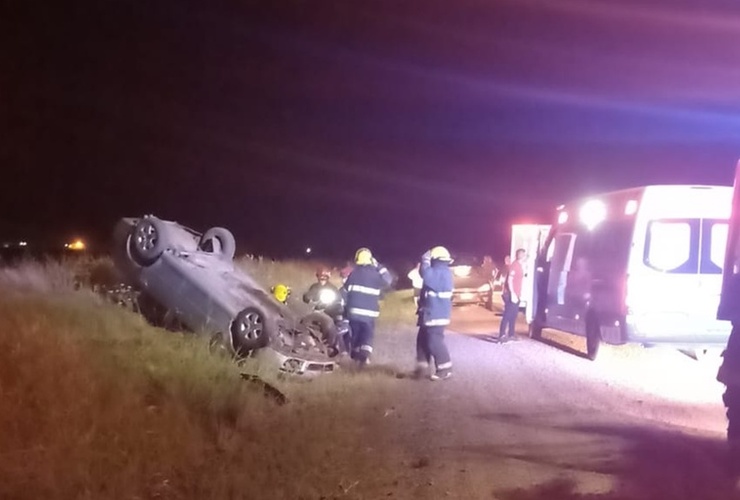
(639, 265)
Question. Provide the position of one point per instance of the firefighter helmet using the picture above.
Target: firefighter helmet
(363, 257)
(281, 292)
(440, 253)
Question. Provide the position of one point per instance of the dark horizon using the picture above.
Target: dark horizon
(337, 125)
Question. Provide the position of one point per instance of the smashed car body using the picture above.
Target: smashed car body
(193, 278)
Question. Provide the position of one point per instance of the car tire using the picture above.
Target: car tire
(324, 329)
(148, 241)
(535, 330)
(593, 337)
(249, 331)
(218, 240)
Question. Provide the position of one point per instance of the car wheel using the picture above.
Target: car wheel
(148, 240)
(593, 337)
(322, 328)
(535, 330)
(218, 240)
(249, 331)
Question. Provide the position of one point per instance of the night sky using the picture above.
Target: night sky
(392, 124)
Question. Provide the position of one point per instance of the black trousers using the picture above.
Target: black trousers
(362, 334)
(731, 397)
(430, 343)
(508, 319)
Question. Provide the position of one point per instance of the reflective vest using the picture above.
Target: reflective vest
(363, 287)
(435, 304)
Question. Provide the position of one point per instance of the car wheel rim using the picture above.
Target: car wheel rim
(146, 237)
(251, 326)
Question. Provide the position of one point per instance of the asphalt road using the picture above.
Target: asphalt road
(530, 413)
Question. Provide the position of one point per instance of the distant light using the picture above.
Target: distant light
(22, 244)
(592, 213)
(630, 208)
(77, 245)
(562, 217)
(308, 250)
(6, 245)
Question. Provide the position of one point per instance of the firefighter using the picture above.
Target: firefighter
(363, 288)
(323, 295)
(435, 309)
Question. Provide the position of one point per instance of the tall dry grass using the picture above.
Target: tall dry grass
(98, 404)
(297, 274)
(59, 275)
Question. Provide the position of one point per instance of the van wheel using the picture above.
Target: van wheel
(535, 330)
(593, 338)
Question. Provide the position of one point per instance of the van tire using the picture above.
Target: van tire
(593, 337)
(535, 330)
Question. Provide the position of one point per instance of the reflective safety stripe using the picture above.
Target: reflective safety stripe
(445, 366)
(364, 312)
(441, 295)
(437, 322)
(366, 348)
(363, 289)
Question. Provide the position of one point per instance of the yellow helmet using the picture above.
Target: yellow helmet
(363, 257)
(281, 292)
(440, 253)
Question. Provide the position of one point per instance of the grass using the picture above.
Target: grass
(98, 404)
(299, 275)
(397, 307)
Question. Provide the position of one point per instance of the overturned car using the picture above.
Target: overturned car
(192, 277)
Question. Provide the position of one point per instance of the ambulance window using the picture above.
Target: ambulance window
(671, 246)
(563, 251)
(714, 242)
(550, 250)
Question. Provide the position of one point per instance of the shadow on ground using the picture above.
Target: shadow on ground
(648, 463)
(562, 347)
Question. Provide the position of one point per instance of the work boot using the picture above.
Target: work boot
(441, 375)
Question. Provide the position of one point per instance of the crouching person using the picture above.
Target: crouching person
(363, 287)
(435, 309)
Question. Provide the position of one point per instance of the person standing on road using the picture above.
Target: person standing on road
(729, 375)
(435, 309)
(363, 287)
(511, 296)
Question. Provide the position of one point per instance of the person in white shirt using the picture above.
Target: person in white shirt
(416, 283)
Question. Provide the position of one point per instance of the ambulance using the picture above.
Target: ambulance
(641, 265)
